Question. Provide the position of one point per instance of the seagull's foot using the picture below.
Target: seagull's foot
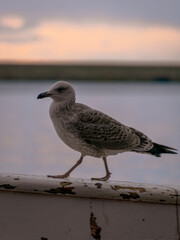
(102, 178)
(58, 176)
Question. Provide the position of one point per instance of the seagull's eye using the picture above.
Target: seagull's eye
(60, 89)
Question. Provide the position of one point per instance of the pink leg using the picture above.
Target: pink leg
(68, 172)
(108, 174)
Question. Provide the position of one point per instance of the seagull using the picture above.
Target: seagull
(93, 133)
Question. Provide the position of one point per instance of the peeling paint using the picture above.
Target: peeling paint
(89, 189)
(98, 185)
(63, 184)
(174, 195)
(95, 229)
(140, 189)
(62, 190)
(7, 186)
(132, 195)
(17, 178)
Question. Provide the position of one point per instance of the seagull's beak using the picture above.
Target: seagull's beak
(43, 95)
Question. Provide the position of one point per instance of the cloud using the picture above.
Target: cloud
(63, 41)
(12, 22)
(82, 29)
(161, 12)
(13, 31)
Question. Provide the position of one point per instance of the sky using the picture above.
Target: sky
(81, 30)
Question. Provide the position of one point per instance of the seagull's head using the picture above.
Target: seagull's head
(60, 91)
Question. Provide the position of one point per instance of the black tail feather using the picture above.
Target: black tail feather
(157, 149)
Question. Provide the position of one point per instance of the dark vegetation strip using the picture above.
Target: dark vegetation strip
(95, 72)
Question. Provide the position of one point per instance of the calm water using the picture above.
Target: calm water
(29, 144)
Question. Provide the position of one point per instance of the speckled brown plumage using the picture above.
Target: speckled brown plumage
(92, 132)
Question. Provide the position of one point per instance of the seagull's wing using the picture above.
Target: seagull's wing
(99, 129)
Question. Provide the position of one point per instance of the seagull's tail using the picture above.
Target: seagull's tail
(157, 149)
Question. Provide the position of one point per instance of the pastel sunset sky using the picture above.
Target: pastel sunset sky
(96, 30)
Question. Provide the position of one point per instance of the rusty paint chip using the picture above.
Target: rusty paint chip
(174, 195)
(98, 185)
(7, 186)
(63, 184)
(16, 178)
(95, 229)
(131, 195)
(140, 189)
(62, 190)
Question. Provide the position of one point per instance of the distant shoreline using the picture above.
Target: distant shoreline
(93, 72)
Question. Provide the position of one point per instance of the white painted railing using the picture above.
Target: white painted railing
(41, 208)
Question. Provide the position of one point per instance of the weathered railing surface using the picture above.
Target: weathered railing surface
(38, 207)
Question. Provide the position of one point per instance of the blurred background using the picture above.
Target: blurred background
(122, 57)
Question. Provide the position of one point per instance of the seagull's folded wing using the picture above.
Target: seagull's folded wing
(104, 132)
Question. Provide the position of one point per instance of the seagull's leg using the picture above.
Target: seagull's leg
(70, 170)
(108, 174)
